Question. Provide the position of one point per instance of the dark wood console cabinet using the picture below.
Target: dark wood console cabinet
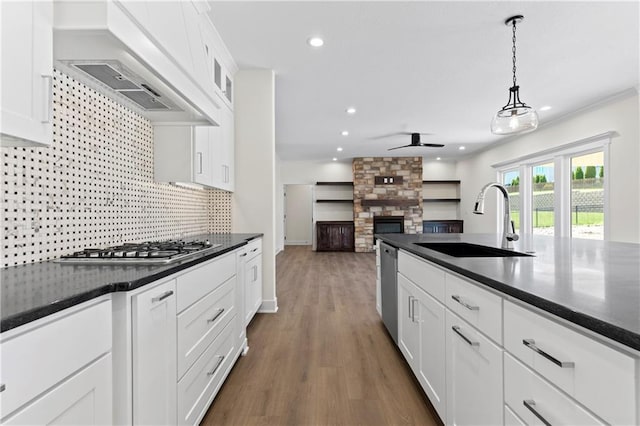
(442, 226)
(335, 236)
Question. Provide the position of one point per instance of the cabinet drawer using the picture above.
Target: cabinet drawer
(198, 387)
(40, 357)
(601, 378)
(254, 248)
(427, 277)
(525, 393)
(202, 322)
(478, 306)
(197, 282)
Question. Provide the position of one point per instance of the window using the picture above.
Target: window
(511, 181)
(587, 196)
(560, 191)
(543, 201)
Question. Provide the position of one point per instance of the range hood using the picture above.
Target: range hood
(97, 43)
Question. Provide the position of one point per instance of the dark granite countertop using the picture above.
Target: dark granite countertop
(35, 290)
(594, 284)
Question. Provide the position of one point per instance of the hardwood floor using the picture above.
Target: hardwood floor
(325, 357)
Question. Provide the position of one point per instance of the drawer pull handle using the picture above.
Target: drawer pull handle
(215, 317)
(531, 404)
(2, 387)
(212, 372)
(162, 296)
(243, 254)
(465, 304)
(253, 250)
(456, 329)
(531, 344)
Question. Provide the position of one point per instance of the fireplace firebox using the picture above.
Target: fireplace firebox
(388, 224)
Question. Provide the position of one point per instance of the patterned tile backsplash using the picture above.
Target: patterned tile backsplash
(94, 186)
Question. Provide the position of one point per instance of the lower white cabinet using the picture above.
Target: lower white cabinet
(253, 279)
(474, 375)
(57, 370)
(154, 355)
(408, 328)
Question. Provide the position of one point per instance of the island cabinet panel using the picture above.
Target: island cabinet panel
(598, 376)
(473, 374)
(335, 236)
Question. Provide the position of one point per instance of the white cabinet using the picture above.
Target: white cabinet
(474, 375)
(253, 279)
(154, 355)
(408, 328)
(58, 369)
(27, 73)
(184, 154)
(222, 139)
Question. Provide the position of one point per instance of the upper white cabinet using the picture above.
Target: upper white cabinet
(224, 151)
(27, 73)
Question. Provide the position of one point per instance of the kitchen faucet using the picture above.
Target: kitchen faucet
(507, 237)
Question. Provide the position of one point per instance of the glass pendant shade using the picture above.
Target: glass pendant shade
(515, 116)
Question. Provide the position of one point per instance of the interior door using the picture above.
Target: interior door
(299, 208)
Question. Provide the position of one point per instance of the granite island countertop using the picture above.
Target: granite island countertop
(32, 291)
(594, 284)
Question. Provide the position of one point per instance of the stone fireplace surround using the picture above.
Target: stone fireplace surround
(395, 199)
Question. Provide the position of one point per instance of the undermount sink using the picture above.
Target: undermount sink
(470, 250)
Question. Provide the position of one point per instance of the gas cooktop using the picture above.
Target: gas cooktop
(151, 252)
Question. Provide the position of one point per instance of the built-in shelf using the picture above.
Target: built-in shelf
(334, 201)
(335, 183)
(441, 200)
(441, 181)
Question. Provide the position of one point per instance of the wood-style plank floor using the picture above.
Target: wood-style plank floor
(325, 357)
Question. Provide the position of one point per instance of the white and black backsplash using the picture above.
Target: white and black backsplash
(94, 186)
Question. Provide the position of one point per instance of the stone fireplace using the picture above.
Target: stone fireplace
(388, 187)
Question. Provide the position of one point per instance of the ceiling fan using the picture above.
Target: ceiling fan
(415, 141)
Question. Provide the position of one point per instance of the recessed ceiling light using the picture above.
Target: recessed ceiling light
(351, 110)
(345, 133)
(315, 42)
(545, 108)
(438, 158)
(462, 148)
(335, 159)
(339, 149)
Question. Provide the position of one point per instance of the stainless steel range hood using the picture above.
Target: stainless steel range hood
(97, 43)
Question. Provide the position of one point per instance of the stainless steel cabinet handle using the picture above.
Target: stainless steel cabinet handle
(199, 162)
(410, 297)
(530, 404)
(243, 254)
(212, 372)
(254, 250)
(215, 317)
(255, 273)
(413, 310)
(531, 344)
(456, 329)
(2, 387)
(162, 296)
(465, 304)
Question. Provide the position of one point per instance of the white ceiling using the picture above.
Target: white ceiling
(440, 67)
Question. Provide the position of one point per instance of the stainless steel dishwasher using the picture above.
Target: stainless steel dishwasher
(389, 288)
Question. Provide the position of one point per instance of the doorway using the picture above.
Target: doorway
(298, 214)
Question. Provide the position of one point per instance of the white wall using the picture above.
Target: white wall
(620, 115)
(439, 170)
(297, 172)
(254, 199)
(279, 208)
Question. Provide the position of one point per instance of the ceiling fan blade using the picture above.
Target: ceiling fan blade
(432, 145)
(398, 147)
(389, 135)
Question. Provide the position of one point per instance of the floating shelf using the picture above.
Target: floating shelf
(441, 181)
(335, 183)
(334, 201)
(441, 200)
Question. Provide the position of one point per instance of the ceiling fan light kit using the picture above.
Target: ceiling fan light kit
(515, 116)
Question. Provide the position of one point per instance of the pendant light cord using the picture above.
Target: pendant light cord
(513, 50)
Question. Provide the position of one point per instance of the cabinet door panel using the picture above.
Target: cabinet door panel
(202, 160)
(408, 328)
(154, 355)
(200, 52)
(168, 26)
(83, 399)
(474, 375)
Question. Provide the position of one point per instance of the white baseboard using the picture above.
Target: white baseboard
(298, 243)
(269, 306)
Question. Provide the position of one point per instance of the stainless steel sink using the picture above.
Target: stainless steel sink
(470, 250)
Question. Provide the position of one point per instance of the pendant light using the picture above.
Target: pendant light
(515, 116)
